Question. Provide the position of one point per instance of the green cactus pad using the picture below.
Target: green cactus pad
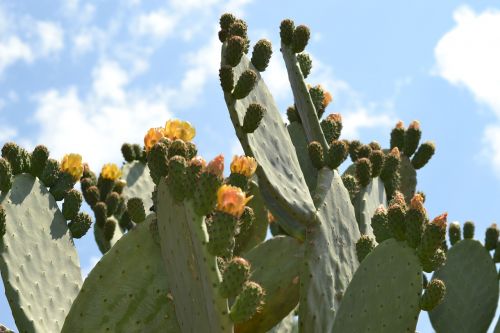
(39, 263)
(408, 174)
(384, 294)
(139, 183)
(299, 140)
(279, 169)
(330, 257)
(275, 265)
(126, 291)
(471, 297)
(195, 279)
(366, 202)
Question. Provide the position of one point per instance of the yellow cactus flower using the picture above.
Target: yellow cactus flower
(111, 171)
(178, 129)
(232, 200)
(72, 164)
(216, 166)
(153, 136)
(244, 165)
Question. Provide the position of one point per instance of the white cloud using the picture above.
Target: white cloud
(492, 149)
(157, 24)
(83, 42)
(109, 80)
(7, 133)
(13, 50)
(276, 77)
(51, 37)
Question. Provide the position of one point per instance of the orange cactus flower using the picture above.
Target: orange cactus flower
(153, 136)
(232, 200)
(72, 164)
(327, 98)
(216, 166)
(111, 171)
(178, 129)
(244, 165)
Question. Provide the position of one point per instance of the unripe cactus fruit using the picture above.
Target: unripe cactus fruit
(454, 233)
(287, 28)
(414, 219)
(364, 151)
(50, 173)
(234, 50)
(468, 230)
(398, 136)
(351, 184)
(18, 157)
(316, 154)
(248, 302)
(177, 182)
(177, 148)
(236, 273)
(128, 152)
(354, 146)
(221, 230)
(205, 194)
(412, 138)
(3, 218)
(377, 158)
(80, 225)
(337, 154)
(433, 295)
(39, 158)
(64, 183)
(318, 96)
(71, 205)
(433, 236)
(253, 116)
(226, 77)
(363, 171)
(238, 28)
(374, 145)
(191, 150)
(301, 36)
(92, 196)
(158, 162)
(5, 175)
(380, 224)
(396, 218)
(364, 246)
(332, 127)
(100, 213)
(226, 20)
(391, 164)
(423, 155)
(112, 202)
(261, 54)
(305, 64)
(135, 209)
(491, 239)
(109, 229)
(292, 114)
(139, 152)
(86, 183)
(245, 84)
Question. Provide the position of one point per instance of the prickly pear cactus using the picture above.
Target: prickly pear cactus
(139, 182)
(366, 202)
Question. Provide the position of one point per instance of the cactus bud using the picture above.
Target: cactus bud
(454, 233)
(337, 154)
(364, 151)
(380, 224)
(433, 236)
(316, 154)
(301, 36)
(491, 239)
(398, 136)
(245, 84)
(120, 184)
(238, 28)
(247, 218)
(226, 20)
(354, 146)
(292, 114)
(412, 138)
(226, 77)
(364, 246)
(135, 209)
(205, 194)
(332, 127)
(109, 229)
(377, 158)
(261, 54)
(235, 275)
(157, 161)
(79, 225)
(320, 98)
(468, 231)
(216, 166)
(248, 302)
(128, 152)
(177, 177)
(64, 183)
(177, 148)
(112, 202)
(193, 172)
(71, 205)
(253, 116)
(39, 158)
(50, 173)
(19, 158)
(305, 64)
(234, 50)
(433, 295)
(396, 218)
(6, 175)
(391, 164)
(221, 229)
(125, 222)
(374, 145)
(434, 261)
(140, 152)
(351, 184)
(423, 155)
(287, 28)
(101, 213)
(191, 150)
(3, 220)
(363, 171)
(415, 219)
(92, 195)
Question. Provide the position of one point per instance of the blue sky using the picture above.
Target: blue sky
(83, 76)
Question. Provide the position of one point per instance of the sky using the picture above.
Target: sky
(86, 76)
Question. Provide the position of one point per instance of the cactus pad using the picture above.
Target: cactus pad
(139, 183)
(366, 202)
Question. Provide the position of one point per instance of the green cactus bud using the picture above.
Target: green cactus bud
(433, 236)
(120, 184)
(158, 162)
(39, 158)
(316, 154)
(226, 20)
(246, 219)
(363, 171)
(317, 96)
(101, 213)
(454, 233)
(396, 218)
(351, 184)
(238, 180)
(364, 151)
(177, 148)
(332, 127)
(415, 219)
(398, 199)
(191, 150)
(109, 229)
(221, 229)
(305, 64)
(423, 155)
(128, 152)
(5, 175)
(234, 50)
(177, 177)
(468, 231)
(226, 77)
(236, 273)
(377, 158)
(50, 173)
(135, 210)
(491, 239)
(85, 183)
(139, 152)
(433, 262)
(301, 36)
(19, 158)
(71, 205)
(391, 165)
(337, 154)
(433, 295)
(398, 136)
(261, 54)
(364, 246)
(64, 183)
(193, 172)
(248, 302)
(205, 194)
(125, 222)
(238, 28)
(374, 145)
(245, 84)
(354, 146)
(223, 34)
(3, 220)
(92, 196)
(253, 116)
(79, 225)
(112, 202)
(105, 186)
(292, 114)
(9, 150)
(412, 138)
(287, 28)
(380, 224)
